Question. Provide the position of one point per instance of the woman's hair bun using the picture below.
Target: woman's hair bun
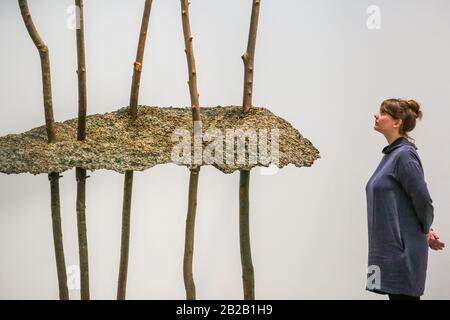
(415, 108)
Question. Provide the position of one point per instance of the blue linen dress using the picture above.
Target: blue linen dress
(399, 216)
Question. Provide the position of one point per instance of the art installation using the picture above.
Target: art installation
(138, 137)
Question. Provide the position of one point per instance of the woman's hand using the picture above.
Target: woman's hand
(434, 242)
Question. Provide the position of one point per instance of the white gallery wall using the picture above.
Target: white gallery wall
(325, 66)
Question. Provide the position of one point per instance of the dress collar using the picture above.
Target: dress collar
(396, 144)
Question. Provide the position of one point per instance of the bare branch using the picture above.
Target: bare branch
(194, 171)
(57, 235)
(137, 70)
(51, 136)
(125, 239)
(45, 66)
(189, 50)
(249, 57)
(128, 182)
(81, 59)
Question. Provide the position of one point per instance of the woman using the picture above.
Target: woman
(399, 207)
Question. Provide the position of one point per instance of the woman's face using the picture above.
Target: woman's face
(385, 123)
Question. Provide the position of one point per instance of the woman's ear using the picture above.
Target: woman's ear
(397, 123)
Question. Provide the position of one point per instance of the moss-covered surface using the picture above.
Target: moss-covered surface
(114, 143)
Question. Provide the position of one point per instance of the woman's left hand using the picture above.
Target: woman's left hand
(434, 242)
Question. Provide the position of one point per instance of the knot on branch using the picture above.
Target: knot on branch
(43, 48)
(57, 176)
(78, 179)
(137, 66)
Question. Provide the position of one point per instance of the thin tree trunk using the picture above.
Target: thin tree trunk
(82, 233)
(249, 56)
(244, 233)
(189, 235)
(128, 183)
(195, 170)
(244, 175)
(80, 172)
(51, 137)
(125, 241)
(81, 58)
(189, 50)
(45, 66)
(134, 95)
(57, 236)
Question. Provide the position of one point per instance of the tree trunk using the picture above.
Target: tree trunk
(189, 235)
(195, 170)
(82, 233)
(244, 177)
(125, 241)
(189, 50)
(51, 137)
(81, 59)
(57, 236)
(244, 233)
(134, 95)
(81, 173)
(45, 66)
(128, 184)
(249, 56)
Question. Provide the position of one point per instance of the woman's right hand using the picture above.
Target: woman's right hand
(433, 241)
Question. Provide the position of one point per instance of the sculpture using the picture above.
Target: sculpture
(138, 137)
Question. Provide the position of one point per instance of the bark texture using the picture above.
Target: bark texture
(137, 70)
(244, 177)
(125, 240)
(128, 183)
(51, 137)
(45, 66)
(195, 170)
(81, 173)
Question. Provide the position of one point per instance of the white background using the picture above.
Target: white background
(317, 65)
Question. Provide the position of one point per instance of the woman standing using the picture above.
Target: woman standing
(399, 207)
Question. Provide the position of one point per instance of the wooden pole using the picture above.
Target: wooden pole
(128, 183)
(81, 59)
(125, 239)
(57, 236)
(51, 136)
(249, 57)
(189, 50)
(80, 172)
(189, 283)
(244, 175)
(244, 236)
(135, 84)
(45, 66)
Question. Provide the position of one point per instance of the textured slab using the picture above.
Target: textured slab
(113, 143)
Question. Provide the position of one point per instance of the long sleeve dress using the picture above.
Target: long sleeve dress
(399, 216)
